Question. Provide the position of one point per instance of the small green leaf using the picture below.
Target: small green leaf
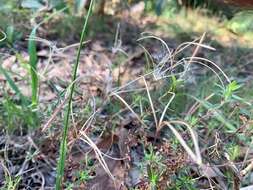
(234, 152)
(230, 89)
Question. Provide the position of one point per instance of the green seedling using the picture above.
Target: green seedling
(151, 157)
(154, 167)
(230, 90)
(185, 182)
(153, 177)
(10, 183)
(175, 84)
(14, 113)
(69, 186)
(234, 151)
(84, 176)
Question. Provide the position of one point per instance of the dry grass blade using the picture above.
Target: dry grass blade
(150, 102)
(149, 55)
(247, 169)
(212, 63)
(159, 39)
(166, 58)
(98, 153)
(129, 107)
(59, 108)
(211, 69)
(6, 171)
(198, 47)
(165, 109)
(133, 90)
(196, 157)
(72, 46)
(118, 43)
(185, 45)
(4, 35)
(250, 145)
(116, 90)
(91, 117)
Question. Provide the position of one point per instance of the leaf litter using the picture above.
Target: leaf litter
(122, 142)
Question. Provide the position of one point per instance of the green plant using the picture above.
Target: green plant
(175, 84)
(14, 113)
(241, 23)
(154, 166)
(20, 108)
(83, 176)
(233, 151)
(151, 157)
(33, 59)
(63, 147)
(12, 84)
(185, 182)
(230, 90)
(10, 183)
(153, 177)
(16, 110)
(11, 36)
(69, 186)
(167, 8)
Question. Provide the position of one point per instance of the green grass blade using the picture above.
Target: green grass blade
(63, 147)
(33, 59)
(12, 84)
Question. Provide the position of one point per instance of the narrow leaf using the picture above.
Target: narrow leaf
(33, 59)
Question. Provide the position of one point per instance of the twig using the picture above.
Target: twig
(197, 48)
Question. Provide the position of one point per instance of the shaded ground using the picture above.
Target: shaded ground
(140, 154)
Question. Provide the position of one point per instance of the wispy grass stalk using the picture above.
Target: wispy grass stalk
(63, 147)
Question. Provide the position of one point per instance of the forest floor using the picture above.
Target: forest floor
(159, 103)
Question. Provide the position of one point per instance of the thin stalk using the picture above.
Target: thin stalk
(63, 147)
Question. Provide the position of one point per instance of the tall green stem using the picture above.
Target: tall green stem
(63, 147)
